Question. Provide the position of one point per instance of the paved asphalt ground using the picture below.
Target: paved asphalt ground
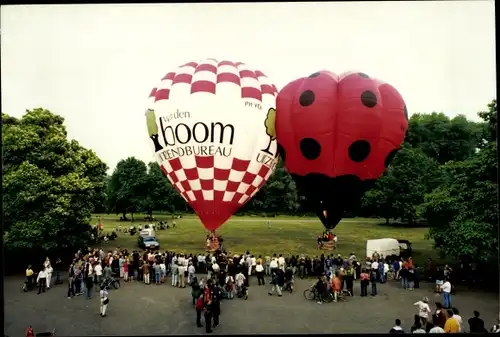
(138, 309)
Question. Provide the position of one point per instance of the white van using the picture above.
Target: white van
(384, 247)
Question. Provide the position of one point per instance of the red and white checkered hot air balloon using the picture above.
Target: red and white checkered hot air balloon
(212, 129)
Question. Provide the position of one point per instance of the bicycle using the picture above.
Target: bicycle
(312, 294)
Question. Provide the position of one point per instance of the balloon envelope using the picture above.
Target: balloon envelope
(210, 128)
(336, 135)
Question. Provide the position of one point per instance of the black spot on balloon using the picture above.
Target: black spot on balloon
(390, 157)
(359, 150)
(306, 98)
(368, 99)
(281, 152)
(310, 148)
(363, 75)
(406, 113)
(316, 74)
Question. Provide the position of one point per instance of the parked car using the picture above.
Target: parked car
(148, 242)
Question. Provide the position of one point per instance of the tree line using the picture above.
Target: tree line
(445, 175)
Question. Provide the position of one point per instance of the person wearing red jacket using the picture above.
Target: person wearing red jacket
(200, 304)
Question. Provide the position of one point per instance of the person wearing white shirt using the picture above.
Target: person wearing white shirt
(281, 262)
(181, 269)
(103, 294)
(215, 268)
(423, 310)
(259, 270)
(41, 280)
(191, 273)
(201, 262)
(240, 280)
(163, 270)
(213, 259)
(446, 289)
(456, 315)
(48, 271)
(374, 266)
(273, 264)
(98, 272)
(436, 329)
(248, 262)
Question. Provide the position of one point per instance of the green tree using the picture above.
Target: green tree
(463, 211)
(402, 188)
(161, 195)
(127, 187)
(442, 138)
(49, 185)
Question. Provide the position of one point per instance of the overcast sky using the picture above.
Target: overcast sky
(96, 64)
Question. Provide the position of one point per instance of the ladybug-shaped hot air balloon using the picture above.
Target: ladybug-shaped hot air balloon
(337, 134)
(211, 125)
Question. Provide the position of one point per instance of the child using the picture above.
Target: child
(199, 308)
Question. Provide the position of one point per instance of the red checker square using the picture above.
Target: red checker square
(153, 92)
(232, 186)
(240, 165)
(267, 89)
(184, 194)
(228, 78)
(226, 63)
(247, 73)
(190, 64)
(221, 174)
(162, 94)
(185, 185)
(263, 171)
(168, 76)
(259, 73)
(204, 162)
(182, 78)
(174, 177)
(175, 164)
(206, 67)
(237, 196)
(218, 195)
(191, 174)
(203, 86)
(207, 185)
(198, 194)
(250, 190)
(248, 178)
(248, 92)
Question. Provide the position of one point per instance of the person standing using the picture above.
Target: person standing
(207, 300)
(103, 294)
(446, 289)
(259, 270)
(41, 280)
(199, 309)
(373, 280)
(364, 282)
(71, 282)
(215, 304)
(145, 272)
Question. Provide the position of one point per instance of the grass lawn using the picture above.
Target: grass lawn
(286, 235)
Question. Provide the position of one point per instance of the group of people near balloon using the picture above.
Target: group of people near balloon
(218, 128)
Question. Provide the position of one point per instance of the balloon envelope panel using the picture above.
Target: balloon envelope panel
(337, 133)
(207, 125)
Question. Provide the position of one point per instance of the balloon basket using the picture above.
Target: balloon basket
(328, 245)
(212, 244)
